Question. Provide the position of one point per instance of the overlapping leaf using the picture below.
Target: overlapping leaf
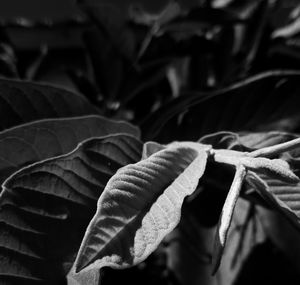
(45, 208)
(272, 191)
(139, 206)
(258, 103)
(36, 141)
(22, 102)
(282, 195)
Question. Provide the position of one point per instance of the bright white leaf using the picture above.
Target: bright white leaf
(140, 205)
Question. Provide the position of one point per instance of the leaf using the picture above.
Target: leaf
(108, 64)
(285, 35)
(85, 86)
(245, 235)
(288, 31)
(111, 21)
(283, 196)
(151, 148)
(246, 141)
(253, 36)
(226, 217)
(139, 206)
(32, 142)
(234, 257)
(22, 102)
(90, 277)
(8, 60)
(189, 248)
(259, 103)
(45, 208)
(34, 69)
(154, 21)
(168, 13)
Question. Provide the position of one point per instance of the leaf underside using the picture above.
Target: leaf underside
(45, 208)
(139, 206)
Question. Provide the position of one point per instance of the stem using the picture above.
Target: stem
(276, 149)
(226, 156)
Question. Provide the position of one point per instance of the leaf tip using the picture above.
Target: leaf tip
(80, 263)
(78, 266)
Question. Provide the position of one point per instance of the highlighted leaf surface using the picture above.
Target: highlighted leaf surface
(139, 206)
(46, 207)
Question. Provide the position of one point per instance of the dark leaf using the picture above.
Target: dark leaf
(286, 43)
(8, 61)
(45, 208)
(33, 71)
(111, 22)
(140, 16)
(245, 234)
(85, 86)
(33, 142)
(189, 249)
(268, 101)
(108, 65)
(22, 102)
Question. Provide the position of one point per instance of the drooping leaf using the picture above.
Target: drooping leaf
(36, 141)
(245, 235)
(282, 195)
(259, 103)
(22, 102)
(45, 208)
(273, 192)
(139, 206)
(226, 217)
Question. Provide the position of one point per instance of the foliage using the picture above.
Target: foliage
(179, 159)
